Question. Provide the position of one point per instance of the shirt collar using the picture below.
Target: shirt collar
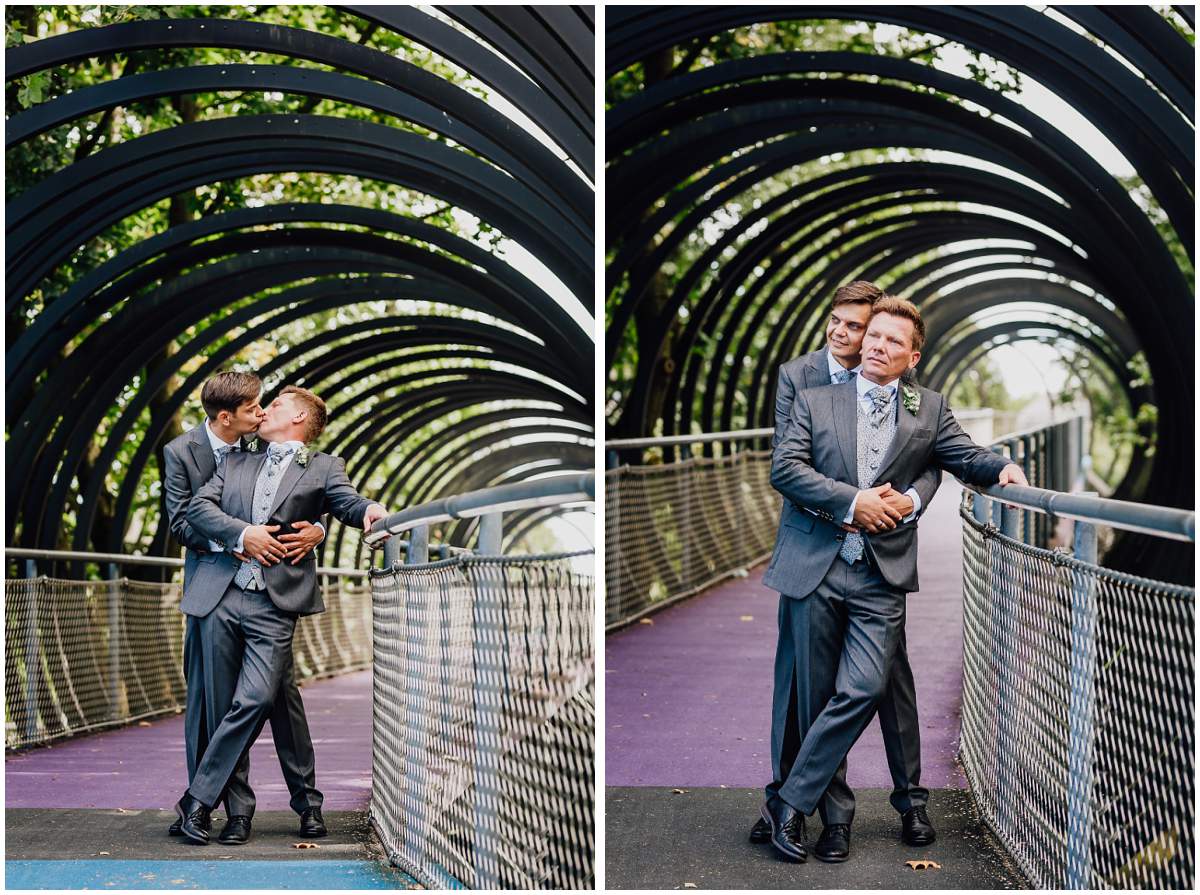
(213, 441)
(834, 366)
(865, 384)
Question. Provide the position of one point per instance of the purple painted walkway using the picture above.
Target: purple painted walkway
(688, 697)
(144, 767)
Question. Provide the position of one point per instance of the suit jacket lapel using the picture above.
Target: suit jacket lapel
(243, 482)
(202, 453)
(906, 425)
(816, 371)
(845, 423)
(291, 476)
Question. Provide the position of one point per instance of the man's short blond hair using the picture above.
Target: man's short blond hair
(902, 307)
(314, 423)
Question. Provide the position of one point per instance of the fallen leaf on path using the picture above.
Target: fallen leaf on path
(646, 621)
(690, 886)
(143, 724)
(679, 791)
(924, 865)
(102, 853)
(305, 845)
(747, 618)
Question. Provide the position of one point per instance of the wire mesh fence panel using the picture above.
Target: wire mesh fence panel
(1078, 715)
(674, 529)
(84, 655)
(484, 748)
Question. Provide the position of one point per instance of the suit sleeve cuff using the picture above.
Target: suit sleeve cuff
(916, 499)
(240, 547)
(215, 547)
(849, 517)
(321, 526)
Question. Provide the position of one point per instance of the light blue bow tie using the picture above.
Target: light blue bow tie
(842, 376)
(278, 452)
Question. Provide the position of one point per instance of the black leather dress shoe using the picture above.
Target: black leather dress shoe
(834, 845)
(787, 829)
(174, 829)
(195, 819)
(760, 833)
(917, 828)
(312, 825)
(236, 831)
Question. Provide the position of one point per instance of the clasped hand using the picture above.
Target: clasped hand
(260, 543)
(880, 509)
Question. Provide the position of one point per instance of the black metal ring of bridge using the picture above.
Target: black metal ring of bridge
(543, 205)
(678, 100)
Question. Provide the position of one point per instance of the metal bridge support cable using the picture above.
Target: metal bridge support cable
(1078, 705)
(84, 656)
(485, 714)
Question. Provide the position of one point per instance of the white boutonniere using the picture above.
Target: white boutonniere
(911, 398)
(302, 455)
(252, 445)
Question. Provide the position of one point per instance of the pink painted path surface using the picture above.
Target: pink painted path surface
(144, 767)
(688, 698)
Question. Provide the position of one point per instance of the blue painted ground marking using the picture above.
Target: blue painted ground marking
(122, 874)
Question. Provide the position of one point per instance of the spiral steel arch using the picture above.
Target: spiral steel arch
(222, 282)
(683, 148)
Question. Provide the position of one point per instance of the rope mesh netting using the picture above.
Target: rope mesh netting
(85, 655)
(484, 703)
(1078, 715)
(673, 529)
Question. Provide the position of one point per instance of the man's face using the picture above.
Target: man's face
(244, 420)
(277, 419)
(887, 348)
(844, 332)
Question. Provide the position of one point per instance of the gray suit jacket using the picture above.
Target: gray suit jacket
(223, 508)
(815, 465)
(187, 465)
(812, 371)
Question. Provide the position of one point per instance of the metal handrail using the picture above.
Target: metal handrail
(486, 502)
(132, 559)
(688, 439)
(1166, 522)
(734, 435)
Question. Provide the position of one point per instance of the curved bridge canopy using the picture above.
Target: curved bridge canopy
(390, 207)
(743, 190)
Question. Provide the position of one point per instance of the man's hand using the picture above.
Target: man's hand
(305, 538)
(898, 500)
(259, 542)
(872, 512)
(374, 513)
(1012, 474)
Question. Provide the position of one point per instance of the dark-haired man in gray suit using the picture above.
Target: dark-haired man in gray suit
(851, 585)
(248, 609)
(805, 663)
(232, 417)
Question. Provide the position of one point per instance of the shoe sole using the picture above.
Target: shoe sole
(232, 841)
(314, 835)
(912, 844)
(831, 860)
(795, 859)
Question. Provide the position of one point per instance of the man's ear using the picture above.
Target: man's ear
(300, 417)
(912, 361)
(224, 418)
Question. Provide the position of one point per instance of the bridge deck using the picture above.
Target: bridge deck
(688, 701)
(92, 812)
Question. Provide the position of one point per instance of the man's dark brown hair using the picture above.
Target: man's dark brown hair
(315, 421)
(229, 390)
(858, 292)
(902, 307)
